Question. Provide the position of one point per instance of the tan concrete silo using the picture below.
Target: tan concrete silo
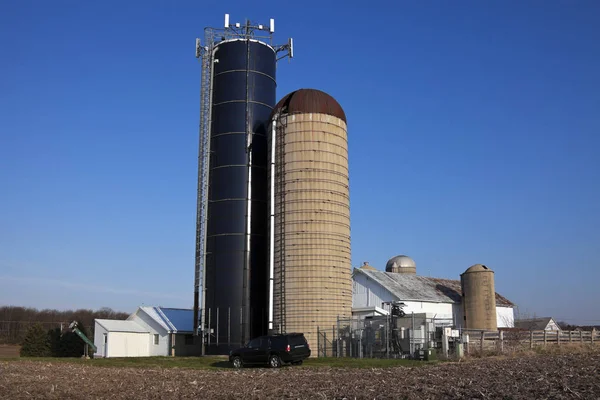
(479, 298)
(310, 246)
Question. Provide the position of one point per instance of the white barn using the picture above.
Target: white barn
(422, 295)
(149, 331)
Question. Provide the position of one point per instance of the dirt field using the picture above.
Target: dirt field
(541, 376)
(9, 350)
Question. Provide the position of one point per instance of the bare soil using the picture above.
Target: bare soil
(9, 350)
(558, 376)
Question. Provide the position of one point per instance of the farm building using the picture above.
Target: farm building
(537, 324)
(442, 298)
(149, 331)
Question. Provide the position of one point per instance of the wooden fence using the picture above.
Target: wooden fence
(506, 340)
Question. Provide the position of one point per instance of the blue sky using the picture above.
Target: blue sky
(473, 133)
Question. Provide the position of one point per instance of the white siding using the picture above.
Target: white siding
(160, 349)
(99, 333)
(505, 317)
(367, 293)
(440, 310)
(552, 326)
(128, 344)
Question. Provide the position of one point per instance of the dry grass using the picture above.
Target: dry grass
(9, 350)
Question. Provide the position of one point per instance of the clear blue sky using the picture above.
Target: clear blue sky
(474, 131)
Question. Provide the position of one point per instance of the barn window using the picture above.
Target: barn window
(156, 339)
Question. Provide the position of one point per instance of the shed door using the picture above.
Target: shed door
(128, 344)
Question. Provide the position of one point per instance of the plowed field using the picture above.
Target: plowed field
(564, 376)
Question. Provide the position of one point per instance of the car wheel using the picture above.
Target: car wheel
(274, 361)
(237, 362)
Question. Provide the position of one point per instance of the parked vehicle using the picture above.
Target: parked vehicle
(272, 350)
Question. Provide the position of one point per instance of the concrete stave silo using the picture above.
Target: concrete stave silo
(310, 251)
(479, 298)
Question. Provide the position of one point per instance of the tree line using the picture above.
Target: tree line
(571, 327)
(15, 321)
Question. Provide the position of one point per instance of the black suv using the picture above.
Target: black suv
(273, 350)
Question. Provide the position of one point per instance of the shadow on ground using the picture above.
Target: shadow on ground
(222, 364)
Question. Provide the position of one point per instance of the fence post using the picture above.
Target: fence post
(350, 339)
(593, 333)
(338, 338)
(325, 345)
(581, 336)
(531, 339)
(545, 338)
(332, 340)
(318, 342)
(558, 337)
(570, 336)
(387, 338)
(501, 341)
(481, 342)
(209, 327)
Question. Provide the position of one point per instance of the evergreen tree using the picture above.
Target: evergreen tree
(55, 338)
(36, 342)
(71, 344)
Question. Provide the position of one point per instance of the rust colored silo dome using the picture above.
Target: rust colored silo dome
(304, 101)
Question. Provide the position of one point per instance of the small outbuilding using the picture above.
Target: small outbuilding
(149, 331)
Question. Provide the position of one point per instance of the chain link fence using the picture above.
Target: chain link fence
(382, 336)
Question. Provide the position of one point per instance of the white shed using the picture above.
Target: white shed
(115, 338)
(149, 331)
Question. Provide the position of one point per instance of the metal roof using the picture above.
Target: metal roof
(182, 320)
(304, 101)
(114, 325)
(408, 287)
(401, 261)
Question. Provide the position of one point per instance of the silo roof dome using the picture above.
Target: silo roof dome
(478, 268)
(304, 101)
(400, 262)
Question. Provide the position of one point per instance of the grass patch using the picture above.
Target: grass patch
(220, 362)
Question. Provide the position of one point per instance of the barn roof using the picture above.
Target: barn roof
(408, 287)
(182, 320)
(533, 324)
(115, 325)
(175, 320)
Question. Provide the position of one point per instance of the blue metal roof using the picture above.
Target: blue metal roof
(179, 318)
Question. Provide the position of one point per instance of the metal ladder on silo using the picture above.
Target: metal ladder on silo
(280, 187)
